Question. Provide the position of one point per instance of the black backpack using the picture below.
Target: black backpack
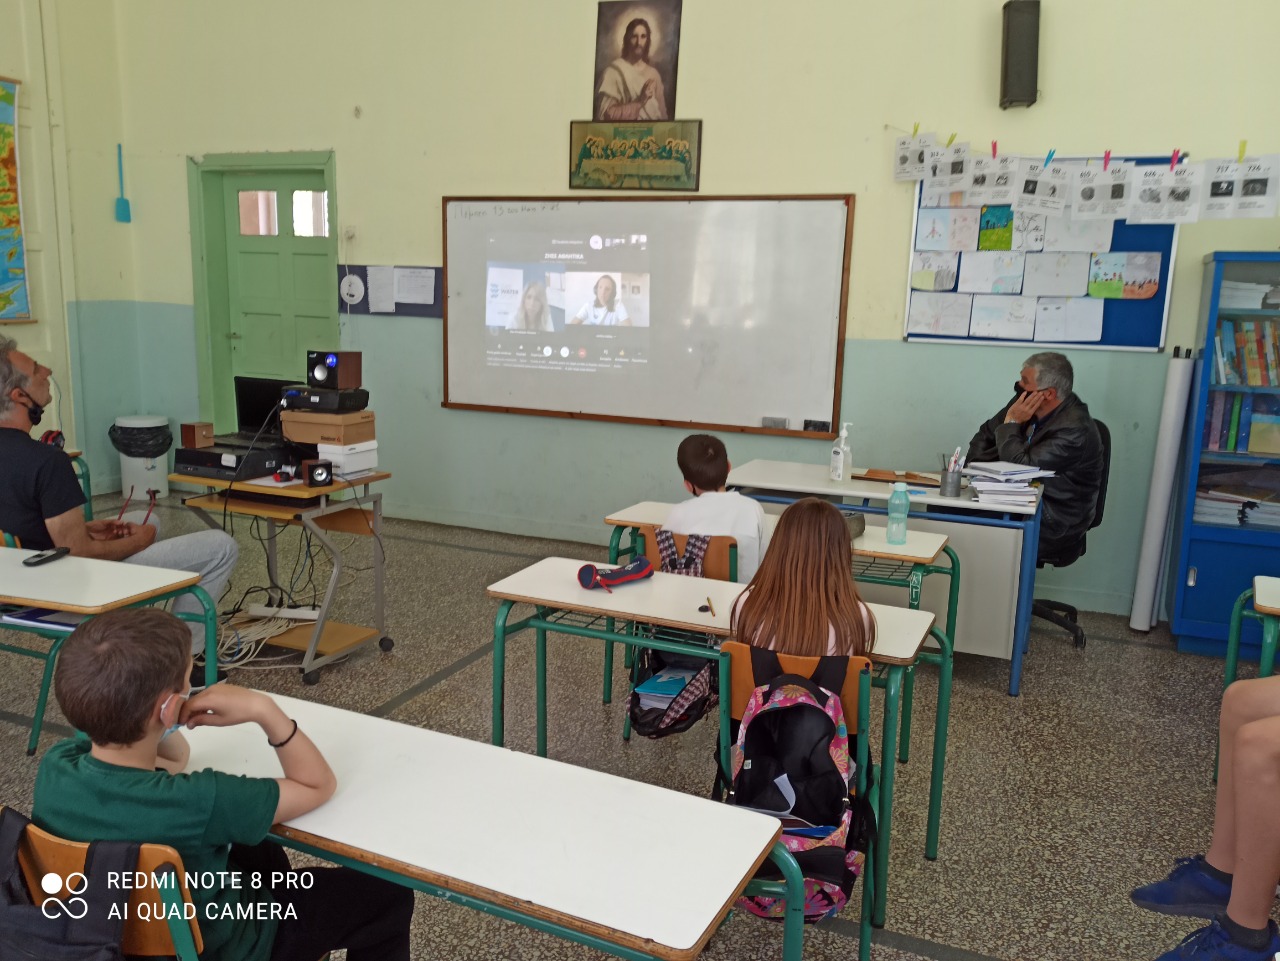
(81, 928)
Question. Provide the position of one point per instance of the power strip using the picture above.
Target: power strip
(292, 613)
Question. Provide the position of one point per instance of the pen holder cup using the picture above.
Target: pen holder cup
(950, 486)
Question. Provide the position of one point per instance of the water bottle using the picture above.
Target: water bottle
(899, 504)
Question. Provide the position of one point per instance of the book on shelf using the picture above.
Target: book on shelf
(1227, 331)
(1214, 421)
(1246, 420)
(1234, 425)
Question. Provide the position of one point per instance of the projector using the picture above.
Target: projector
(301, 397)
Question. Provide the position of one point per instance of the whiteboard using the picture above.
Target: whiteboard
(716, 312)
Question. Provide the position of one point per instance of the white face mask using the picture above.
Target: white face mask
(164, 706)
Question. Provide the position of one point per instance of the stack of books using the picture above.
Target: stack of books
(661, 689)
(1003, 484)
(1242, 422)
(1237, 505)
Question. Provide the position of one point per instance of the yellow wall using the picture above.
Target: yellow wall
(796, 97)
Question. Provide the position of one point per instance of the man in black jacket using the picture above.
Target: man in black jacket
(1049, 427)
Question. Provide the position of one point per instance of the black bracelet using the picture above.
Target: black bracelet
(286, 740)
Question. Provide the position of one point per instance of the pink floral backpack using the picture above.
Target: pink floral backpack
(791, 759)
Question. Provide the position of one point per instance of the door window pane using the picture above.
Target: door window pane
(311, 213)
(258, 213)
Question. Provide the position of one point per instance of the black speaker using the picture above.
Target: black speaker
(1019, 53)
(333, 368)
(319, 473)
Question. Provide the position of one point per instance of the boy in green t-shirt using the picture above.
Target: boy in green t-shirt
(122, 679)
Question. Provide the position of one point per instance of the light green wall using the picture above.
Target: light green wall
(803, 97)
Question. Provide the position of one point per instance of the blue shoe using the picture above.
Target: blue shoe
(1212, 943)
(1188, 891)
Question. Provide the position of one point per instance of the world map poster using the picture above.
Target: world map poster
(14, 303)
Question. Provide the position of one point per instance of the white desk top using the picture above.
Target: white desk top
(83, 585)
(673, 600)
(920, 548)
(1266, 595)
(815, 479)
(516, 828)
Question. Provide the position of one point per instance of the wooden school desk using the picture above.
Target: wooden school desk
(994, 616)
(562, 606)
(489, 828)
(325, 640)
(83, 585)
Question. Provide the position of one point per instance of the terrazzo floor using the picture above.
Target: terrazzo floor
(1056, 803)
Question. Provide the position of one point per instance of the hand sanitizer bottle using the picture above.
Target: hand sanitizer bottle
(838, 454)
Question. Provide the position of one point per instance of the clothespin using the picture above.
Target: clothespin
(1048, 158)
(915, 131)
(1173, 161)
(1240, 153)
(1106, 161)
(993, 150)
(951, 139)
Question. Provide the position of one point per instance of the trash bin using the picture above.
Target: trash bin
(143, 441)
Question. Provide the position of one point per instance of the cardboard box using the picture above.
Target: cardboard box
(311, 427)
(350, 458)
(197, 435)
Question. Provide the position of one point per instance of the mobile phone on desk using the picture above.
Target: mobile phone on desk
(44, 557)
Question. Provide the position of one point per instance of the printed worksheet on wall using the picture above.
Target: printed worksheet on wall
(1102, 194)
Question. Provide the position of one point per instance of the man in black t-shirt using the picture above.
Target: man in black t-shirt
(41, 498)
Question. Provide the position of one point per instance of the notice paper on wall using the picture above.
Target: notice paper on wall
(1056, 274)
(942, 315)
(1067, 233)
(1069, 320)
(1247, 189)
(991, 272)
(1003, 318)
(403, 291)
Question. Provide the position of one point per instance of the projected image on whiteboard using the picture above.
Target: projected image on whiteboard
(554, 316)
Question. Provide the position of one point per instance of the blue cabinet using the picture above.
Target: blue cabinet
(1227, 529)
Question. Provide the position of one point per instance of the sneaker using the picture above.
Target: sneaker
(1212, 943)
(1188, 891)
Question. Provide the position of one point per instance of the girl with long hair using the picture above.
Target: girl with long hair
(803, 599)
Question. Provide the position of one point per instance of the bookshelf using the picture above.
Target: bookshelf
(1227, 528)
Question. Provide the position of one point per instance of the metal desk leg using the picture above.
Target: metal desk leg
(540, 635)
(379, 566)
(46, 681)
(1233, 640)
(1267, 657)
(940, 726)
(499, 669)
(793, 921)
(615, 541)
(888, 747)
(1026, 597)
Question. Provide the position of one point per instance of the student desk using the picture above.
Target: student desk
(325, 640)
(490, 828)
(83, 585)
(1266, 610)
(994, 615)
(875, 561)
(672, 601)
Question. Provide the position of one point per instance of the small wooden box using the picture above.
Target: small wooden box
(199, 434)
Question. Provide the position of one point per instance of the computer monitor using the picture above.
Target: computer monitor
(256, 399)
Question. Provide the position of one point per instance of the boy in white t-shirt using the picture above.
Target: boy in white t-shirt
(705, 465)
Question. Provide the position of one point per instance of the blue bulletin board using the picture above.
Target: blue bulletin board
(1127, 324)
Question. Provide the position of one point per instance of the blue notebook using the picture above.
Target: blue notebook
(39, 617)
(666, 683)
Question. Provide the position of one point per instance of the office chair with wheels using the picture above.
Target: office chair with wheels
(1059, 612)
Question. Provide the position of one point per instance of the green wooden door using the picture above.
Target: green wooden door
(281, 265)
